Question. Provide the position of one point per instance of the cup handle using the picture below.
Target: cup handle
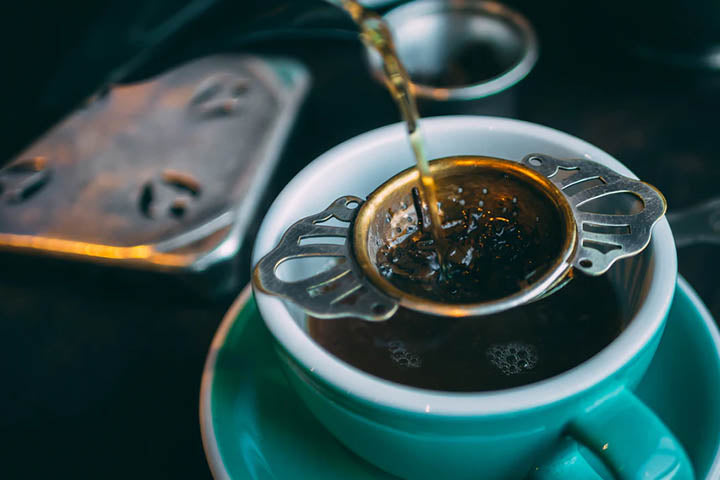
(626, 440)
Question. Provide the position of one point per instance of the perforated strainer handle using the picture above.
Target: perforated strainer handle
(341, 291)
(605, 235)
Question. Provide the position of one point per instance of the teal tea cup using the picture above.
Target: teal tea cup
(583, 423)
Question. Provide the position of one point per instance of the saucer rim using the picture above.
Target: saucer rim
(207, 430)
(218, 468)
(712, 330)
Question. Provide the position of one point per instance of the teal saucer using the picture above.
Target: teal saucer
(254, 426)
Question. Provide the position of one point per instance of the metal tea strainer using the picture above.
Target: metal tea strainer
(597, 217)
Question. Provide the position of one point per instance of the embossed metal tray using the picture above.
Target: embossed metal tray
(164, 175)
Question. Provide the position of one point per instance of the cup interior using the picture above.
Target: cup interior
(359, 166)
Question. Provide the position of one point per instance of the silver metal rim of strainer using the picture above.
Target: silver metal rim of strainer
(355, 288)
(554, 276)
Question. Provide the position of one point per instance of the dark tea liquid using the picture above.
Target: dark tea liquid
(500, 235)
(513, 348)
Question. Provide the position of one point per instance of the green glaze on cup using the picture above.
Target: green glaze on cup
(607, 418)
(422, 434)
(256, 427)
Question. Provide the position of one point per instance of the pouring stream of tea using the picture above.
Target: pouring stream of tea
(376, 35)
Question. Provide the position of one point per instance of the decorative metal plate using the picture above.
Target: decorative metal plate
(621, 228)
(164, 174)
(615, 228)
(340, 291)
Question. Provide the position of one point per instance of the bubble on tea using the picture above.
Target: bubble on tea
(546, 338)
(513, 358)
(401, 356)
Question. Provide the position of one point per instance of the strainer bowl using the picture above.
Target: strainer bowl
(585, 203)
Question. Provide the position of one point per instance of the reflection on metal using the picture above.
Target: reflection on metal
(220, 94)
(609, 227)
(604, 217)
(335, 292)
(156, 175)
(24, 178)
(460, 50)
(370, 231)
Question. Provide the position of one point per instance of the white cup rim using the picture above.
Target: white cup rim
(647, 322)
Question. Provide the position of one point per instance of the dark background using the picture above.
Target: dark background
(101, 369)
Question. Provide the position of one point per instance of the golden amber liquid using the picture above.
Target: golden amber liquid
(376, 35)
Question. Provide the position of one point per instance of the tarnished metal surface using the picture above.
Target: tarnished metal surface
(163, 174)
(371, 229)
(596, 235)
(609, 230)
(339, 291)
